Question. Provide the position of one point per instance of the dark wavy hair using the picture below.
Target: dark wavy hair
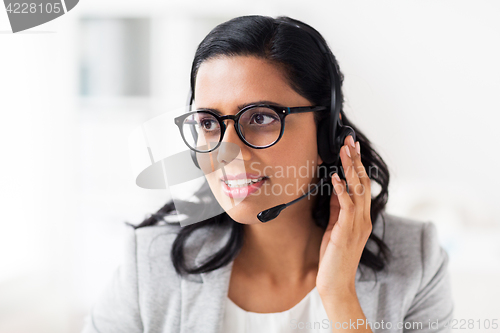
(304, 66)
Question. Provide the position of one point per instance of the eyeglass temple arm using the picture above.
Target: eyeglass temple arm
(302, 109)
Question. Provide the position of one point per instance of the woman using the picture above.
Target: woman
(332, 261)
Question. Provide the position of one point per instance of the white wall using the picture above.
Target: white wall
(421, 80)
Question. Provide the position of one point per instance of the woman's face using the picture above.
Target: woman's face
(226, 84)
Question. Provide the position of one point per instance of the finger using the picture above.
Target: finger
(350, 172)
(347, 207)
(365, 182)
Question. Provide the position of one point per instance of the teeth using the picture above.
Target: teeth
(242, 182)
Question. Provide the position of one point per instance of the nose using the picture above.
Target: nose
(230, 146)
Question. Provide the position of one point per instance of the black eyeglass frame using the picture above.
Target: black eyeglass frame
(282, 112)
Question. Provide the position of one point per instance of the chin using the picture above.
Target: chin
(243, 210)
(244, 216)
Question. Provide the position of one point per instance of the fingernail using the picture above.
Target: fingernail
(347, 151)
(358, 147)
(337, 178)
(351, 141)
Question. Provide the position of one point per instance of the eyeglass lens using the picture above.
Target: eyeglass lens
(259, 126)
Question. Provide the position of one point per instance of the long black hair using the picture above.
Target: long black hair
(296, 53)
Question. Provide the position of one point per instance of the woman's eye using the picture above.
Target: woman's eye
(262, 119)
(208, 124)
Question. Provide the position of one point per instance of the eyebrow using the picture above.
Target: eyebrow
(241, 106)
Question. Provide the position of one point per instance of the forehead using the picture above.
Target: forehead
(237, 80)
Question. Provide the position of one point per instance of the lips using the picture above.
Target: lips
(241, 185)
(241, 176)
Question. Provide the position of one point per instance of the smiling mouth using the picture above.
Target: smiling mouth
(242, 187)
(237, 183)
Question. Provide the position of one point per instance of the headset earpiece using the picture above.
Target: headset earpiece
(329, 153)
(345, 131)
(324, 147)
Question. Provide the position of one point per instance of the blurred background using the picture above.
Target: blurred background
(421, 80)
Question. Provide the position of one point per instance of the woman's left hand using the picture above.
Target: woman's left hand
(348, 229)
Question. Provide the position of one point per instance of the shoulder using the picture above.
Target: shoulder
(121, 306)
(154, 245)
(154, 238)
(147, 252)
(418, 274)
(409, 238)
(414, 286)
(416, 254)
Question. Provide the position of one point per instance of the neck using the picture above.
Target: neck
(284, 250)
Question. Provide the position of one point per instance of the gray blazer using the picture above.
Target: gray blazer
(146, 294)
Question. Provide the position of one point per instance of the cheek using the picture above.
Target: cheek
(216, 187)
(296, 149)
(297, 162)
(298, 157)
(212, 183)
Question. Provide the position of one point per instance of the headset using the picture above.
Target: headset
(333, 129)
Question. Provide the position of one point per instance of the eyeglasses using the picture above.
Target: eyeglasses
(258, 126)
